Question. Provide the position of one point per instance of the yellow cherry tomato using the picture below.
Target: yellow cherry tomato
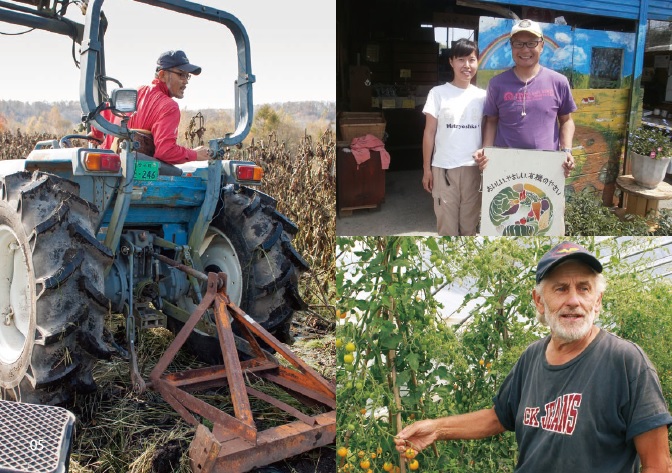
(365, 464)
(348, 359)
(410, 453)
(350, 347)
(387, 466)
(414, 465)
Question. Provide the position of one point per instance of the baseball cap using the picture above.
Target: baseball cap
(527, 25)
(565, 251)
(176, 59)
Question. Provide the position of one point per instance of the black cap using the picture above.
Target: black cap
(177, 59)
(562, 252)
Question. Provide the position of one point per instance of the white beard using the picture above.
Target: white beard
(567, 330)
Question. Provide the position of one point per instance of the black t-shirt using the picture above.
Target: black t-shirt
(581, 416)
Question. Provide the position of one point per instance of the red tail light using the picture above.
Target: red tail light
(102, 162)
(249, 173)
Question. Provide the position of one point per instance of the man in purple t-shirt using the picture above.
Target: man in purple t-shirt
(528, 106)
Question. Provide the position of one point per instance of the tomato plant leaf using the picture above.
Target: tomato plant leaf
(390, 340)
(413, 361)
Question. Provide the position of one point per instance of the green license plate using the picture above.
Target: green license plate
(146, 170)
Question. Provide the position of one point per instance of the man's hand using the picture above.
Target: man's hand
(202, 153)
(428, 180)
(568, 165)
(417, 436)
(93, 141)
(480, 158)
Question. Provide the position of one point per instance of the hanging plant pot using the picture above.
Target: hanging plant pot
(648, 172)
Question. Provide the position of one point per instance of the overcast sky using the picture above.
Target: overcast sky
(293, 44)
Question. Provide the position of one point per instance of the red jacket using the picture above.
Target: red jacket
(160, 114)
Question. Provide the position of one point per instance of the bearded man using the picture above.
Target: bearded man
(578, 400)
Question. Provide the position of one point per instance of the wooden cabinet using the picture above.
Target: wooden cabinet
(358, 186)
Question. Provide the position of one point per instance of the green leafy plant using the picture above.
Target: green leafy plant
(585, 215)
(663, 222)
(402, 356)
(651, 142)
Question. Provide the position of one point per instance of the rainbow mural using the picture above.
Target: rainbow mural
(501, 46)
(603, 104)
(565, 48)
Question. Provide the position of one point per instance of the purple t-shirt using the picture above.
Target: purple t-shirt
(546, 97)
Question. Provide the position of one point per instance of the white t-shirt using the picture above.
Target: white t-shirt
(459, 113)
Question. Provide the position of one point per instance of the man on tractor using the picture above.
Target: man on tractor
(158, 116)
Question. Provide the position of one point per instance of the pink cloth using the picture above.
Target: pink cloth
(362, 146)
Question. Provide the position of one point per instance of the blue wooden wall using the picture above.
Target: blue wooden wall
(629, 9)
(660, 10)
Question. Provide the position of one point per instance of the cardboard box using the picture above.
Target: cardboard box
(355, 124)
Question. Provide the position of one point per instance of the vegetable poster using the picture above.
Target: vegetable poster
(523, 193)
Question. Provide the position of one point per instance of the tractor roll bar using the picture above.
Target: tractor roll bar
(19, 15)
(92, 46)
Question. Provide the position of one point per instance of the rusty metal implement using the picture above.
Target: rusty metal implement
(235, 444)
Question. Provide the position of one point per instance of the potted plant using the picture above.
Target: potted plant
(650, 152)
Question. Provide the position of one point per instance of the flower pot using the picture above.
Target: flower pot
(648, 172)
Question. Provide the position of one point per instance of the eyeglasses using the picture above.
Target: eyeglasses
(529, 44)
(183, 75)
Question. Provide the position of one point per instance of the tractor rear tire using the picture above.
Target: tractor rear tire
(251, 241)
(52, 306)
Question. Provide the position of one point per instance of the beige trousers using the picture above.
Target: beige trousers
(457, 200)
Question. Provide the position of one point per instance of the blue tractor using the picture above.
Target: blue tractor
(86, 232)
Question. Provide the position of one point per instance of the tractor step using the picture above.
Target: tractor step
(34, 438)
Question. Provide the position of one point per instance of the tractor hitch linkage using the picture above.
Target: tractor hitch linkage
(234, 444)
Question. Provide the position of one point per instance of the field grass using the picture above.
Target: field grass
(118, 430)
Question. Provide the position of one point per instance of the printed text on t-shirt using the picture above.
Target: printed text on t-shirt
(461, 127)
(559, 416)
(532, 95)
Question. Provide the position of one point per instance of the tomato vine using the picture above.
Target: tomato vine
(400, 360)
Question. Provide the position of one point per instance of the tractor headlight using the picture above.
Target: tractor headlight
(124, 100)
